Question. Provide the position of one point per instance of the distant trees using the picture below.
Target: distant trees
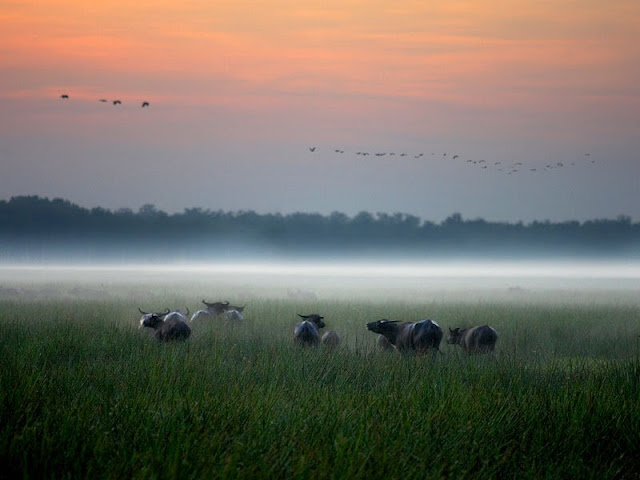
(33, 227)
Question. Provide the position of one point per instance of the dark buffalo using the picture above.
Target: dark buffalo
(307, 332)
(409, 336)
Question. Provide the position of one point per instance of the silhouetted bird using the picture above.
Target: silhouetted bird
(103, 100)
(145, 104)
(117, 102)
(455, 156)
(64, 95)
(312, 149)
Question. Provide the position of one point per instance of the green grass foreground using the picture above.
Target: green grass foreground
(85, 394)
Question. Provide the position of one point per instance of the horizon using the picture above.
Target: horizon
(375, 215)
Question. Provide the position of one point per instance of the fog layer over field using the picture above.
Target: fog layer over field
(315, 280)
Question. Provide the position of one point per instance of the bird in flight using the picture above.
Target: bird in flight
(313, 149)
(64, 95)
(103, 100)
(145, 104)
(117, 102)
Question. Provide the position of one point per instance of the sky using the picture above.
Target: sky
(506, 110)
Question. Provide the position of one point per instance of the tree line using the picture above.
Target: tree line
(35, 228)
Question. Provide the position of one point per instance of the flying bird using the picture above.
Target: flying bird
(64, 95)
(313, 149)
(455, 156)
(117, 102)
(103, 100)
(145, 104)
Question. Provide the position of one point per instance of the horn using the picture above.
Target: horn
(144, 313)
(205, 302)
(187, 314)
(303, 316)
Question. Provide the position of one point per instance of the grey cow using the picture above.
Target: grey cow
(480, 339)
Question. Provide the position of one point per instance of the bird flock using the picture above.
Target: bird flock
(144, 104)
(507, 167)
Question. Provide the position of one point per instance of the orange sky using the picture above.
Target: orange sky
(455, 51)
(353, 72)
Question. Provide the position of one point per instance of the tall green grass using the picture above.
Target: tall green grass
(84, 393)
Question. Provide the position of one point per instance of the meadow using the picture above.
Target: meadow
(84, 393)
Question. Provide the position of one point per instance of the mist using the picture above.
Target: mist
(314, 281)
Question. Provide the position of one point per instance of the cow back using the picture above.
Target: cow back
(306, 333)
(480, 339)
(426, 335)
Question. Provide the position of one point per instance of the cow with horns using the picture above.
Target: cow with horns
(168, 325)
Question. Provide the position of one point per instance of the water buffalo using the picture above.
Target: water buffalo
(481, 339)
(168, 325)
(213, 309)
(330, 339)
(409, 336)
(307, 332)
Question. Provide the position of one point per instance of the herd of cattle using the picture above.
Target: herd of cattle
(421, 337)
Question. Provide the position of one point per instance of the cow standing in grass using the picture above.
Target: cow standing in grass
(330, 339)
(168, 325)
(307, 332)
(418, 337)
(481, 339)
(213, 310)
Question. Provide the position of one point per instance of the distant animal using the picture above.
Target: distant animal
(64, 95)
(213, 309)
(299, 294)
(145, 104)
(307, 332)
(407, 337)
(481, 339)
(103, 100)
(330, 339)
(167, 326)
(117, 102)
(313, 149)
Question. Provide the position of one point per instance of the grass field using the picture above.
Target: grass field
(85, 394)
